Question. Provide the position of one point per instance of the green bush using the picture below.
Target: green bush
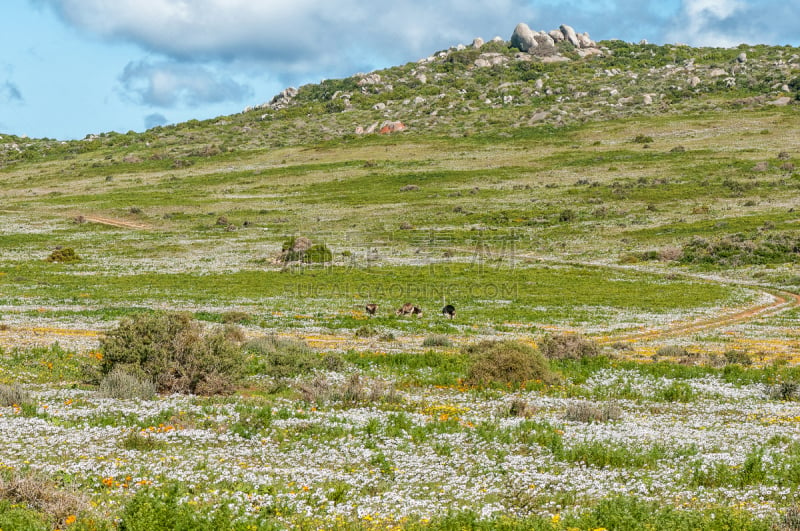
(365, 331)
(278, 357)
(671, 351)
(738, 356)
(12, 516)
(142, 442)
(14, 395)
(163, 509)
(120, 384)
(676, 392)
(507, 362)
(235, 317)
(300, 249)
(742, 249)
(586, 412)
(318, 254)
(568, 346)
(45, 500)
(175, 353)
(437, 340)
(63, 255)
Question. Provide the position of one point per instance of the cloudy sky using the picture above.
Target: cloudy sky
(69, 68)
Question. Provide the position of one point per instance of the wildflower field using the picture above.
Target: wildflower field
(624, 354)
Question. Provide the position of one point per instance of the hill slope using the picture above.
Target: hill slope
(666, 158)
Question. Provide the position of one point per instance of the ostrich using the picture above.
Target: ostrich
(449, 310)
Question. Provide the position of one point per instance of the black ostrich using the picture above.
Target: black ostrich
(449, 311)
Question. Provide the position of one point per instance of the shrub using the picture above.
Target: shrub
(42, 495)
(738, 356)
(437, 340)
(782, 391)
(121, 384)
(278, 357)
(172, 350)
(300, 249)
(141, 442)
(521, 408)
(165, 508)
(672, 351)
(566, 215)
(642, 139)
(740, 249)
(676, 392)
(568, 346)
(318, 254)
(356, 389)
(790, 520)
(14, 395)
(63, 255)
(587, 412)
(507, 362)
(235, 317)
(365, 331)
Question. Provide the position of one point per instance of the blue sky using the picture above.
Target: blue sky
(69, 68)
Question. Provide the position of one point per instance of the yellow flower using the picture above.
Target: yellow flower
(556, 518)
(70, 519)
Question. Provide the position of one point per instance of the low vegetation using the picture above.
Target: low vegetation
(172, 351)
(204, 359)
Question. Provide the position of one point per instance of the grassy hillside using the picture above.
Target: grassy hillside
(647, 198)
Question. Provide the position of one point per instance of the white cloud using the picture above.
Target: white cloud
(167, 84)
(732, 22)
(279, 32)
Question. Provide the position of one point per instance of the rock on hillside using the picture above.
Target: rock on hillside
(544, 43)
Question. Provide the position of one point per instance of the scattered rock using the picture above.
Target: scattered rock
(742, 58)
(570, 35)
(647, 99)
(392, 127)
(783, 100)
(539, 117)
(694, 81)
(301, 244)
(717, 72)
(585, 41)
(477, 43)
(555, 59)
(490, 59)
(379, 106)
(369, 79)
(523, 38)
(283, 99)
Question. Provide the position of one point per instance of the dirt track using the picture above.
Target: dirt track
(117, 223)
(782, 301)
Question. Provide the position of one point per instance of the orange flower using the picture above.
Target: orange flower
(70, 519)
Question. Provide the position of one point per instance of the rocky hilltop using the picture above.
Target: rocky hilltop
(534, 78)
